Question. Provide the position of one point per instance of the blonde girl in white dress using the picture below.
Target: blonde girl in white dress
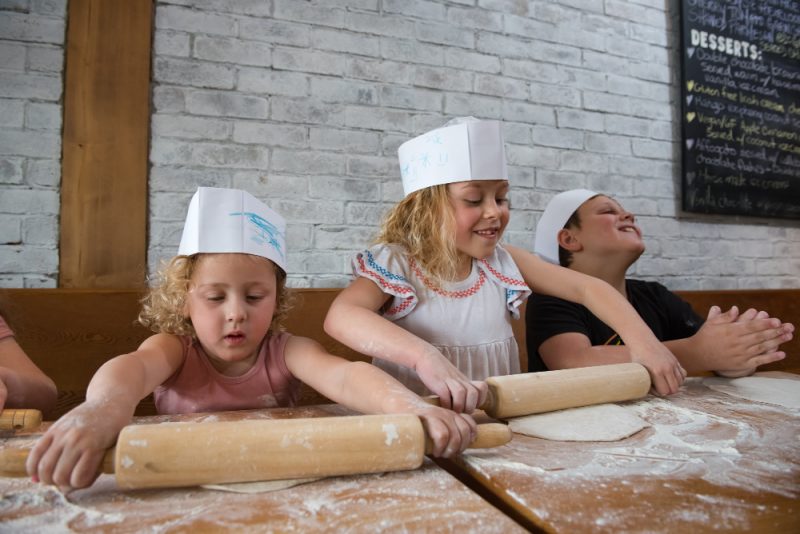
(432, 301)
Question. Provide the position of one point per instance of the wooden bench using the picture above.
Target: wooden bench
(69, 333)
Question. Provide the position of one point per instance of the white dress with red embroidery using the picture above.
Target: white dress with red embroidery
(468, 321)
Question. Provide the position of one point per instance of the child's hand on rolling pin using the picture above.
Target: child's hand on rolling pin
(666, 372)
(70, 453)
(449, 432)
(454, 389)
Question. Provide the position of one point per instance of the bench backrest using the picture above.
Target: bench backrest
(70, 333)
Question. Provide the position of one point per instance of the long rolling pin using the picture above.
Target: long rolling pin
(17, 419)
(191, 454)
(530, 393)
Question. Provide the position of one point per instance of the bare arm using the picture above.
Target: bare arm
(353, 319)
(610, 307)
(22, 383)
(367, 389)
(70, 452)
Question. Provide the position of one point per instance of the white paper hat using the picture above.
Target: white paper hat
(462, 150)
(555, 216)
(232, 220)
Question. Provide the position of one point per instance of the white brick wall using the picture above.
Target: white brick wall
(304, 103)
(31, 81)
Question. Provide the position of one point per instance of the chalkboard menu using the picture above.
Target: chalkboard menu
(740, 98)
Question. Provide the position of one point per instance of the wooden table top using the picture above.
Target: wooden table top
(426, 499)
(709, 462)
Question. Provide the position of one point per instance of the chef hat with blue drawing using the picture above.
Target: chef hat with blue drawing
(464, 149)
(232, 220)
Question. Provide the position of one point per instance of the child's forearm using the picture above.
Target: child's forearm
(120, 382)
(368, 389)
(370, 334)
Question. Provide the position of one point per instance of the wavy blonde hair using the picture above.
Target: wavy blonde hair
(424, 224)
(163, 305)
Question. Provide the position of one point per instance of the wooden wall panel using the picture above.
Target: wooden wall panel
(103, 241)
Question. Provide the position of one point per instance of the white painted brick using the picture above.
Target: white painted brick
(411, 98)
(471, 105)
(369, 5)
(412, 51)
(56, 8)
(33, 144)
(503, 45)
(173, 152)
(533, 113)
(464, 59)
(445, 34)
(347, 141)
(12, 55)
(341, 237)
(194, 21)
(10, 230)
(516, 7)
(41, 116)
(314, 211)
(306, 111)
(469, 17)
(379, 70)
(361, 166)
(557, 137)
(501, 86)
(169, 99)
(647, 148)
(275, 31)
(267, 81)
(270, 134)
(579, 119)
(227, 104)
(365, 214)
(308, 162)
(31, 28)
(379, 119)
(229, 50)
(39, 230)
(305, 12)
(608, 144)
(46, 58)
(308, 61)
(340, 41)
(193, 73)
(423, 9)
(28, 260)
(530, 70)
(346, 189)
(33, 86)
(167, 43)
(344, 91)
(555, 95)
(376, 24)
(44, 173)
(243, 7)
(11, 171)
(190, 127)
(12, 113)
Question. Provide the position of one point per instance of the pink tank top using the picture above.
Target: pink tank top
(198, 387)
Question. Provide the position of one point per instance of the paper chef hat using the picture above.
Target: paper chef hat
(462, 150)
(555, 216)
(232, 220)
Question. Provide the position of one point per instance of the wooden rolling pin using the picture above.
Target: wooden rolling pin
(12, 419)
(530, 393)
(192, 454)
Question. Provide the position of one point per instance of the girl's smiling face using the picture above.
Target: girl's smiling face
(230, 302)
(481, 212)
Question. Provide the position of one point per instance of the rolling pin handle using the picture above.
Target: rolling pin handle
(12, 419)
(489, 435)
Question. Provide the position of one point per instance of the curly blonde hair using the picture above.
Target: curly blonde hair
(163, 305)
(424, 224)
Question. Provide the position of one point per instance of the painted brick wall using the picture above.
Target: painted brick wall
(304, 103)
(31, 86)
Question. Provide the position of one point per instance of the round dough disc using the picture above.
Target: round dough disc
(603, 422)
(779, 391)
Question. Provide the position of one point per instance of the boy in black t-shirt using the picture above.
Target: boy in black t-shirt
(593, 234)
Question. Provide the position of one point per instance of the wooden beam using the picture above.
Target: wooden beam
(103, 242)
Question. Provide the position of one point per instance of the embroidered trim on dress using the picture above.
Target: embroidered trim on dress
(443, 292)
(377, 273)
(503, 278)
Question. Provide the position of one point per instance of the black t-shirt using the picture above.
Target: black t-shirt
(669, 316)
